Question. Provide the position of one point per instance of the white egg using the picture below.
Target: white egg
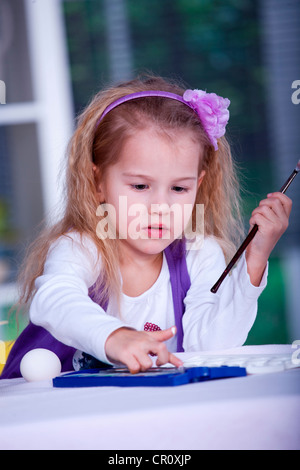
(40, 364)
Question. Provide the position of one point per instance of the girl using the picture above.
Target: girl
(122, 287)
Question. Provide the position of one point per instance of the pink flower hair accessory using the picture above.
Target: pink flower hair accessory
(212, 111)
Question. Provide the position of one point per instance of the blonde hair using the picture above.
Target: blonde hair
(99, 144)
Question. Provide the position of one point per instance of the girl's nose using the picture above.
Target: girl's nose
(160, 208)
(159, 201)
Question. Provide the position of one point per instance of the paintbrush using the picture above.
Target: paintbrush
(251, 235)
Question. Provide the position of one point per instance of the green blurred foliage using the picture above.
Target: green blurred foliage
(86, 42)
(270, 325)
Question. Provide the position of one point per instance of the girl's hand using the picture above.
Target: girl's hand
(272, 218)
(132, 348)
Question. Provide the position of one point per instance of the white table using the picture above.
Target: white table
(253, 412)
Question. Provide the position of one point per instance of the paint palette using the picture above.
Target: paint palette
(155, 377)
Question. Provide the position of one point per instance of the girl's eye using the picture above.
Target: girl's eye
(179, 189)
(139, 187)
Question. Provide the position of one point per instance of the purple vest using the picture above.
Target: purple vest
(37, 337)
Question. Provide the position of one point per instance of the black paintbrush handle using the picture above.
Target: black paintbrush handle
(288, 181)
(248, 239)
(239, 252)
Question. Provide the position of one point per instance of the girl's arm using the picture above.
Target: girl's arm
(223, 320)
(63, 307)
(61, 304)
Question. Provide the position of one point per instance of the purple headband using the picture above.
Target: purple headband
(211, 109)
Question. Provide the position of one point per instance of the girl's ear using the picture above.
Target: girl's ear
(98, 184)
(200, 178)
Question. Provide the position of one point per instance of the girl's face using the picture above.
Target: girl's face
(152, 188)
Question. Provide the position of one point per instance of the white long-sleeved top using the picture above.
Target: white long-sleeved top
(211, 321)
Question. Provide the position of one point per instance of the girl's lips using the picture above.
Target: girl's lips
(157, 231)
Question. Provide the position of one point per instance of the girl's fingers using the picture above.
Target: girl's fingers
(275, 209)
(285, 201)
(266, 212)
(274, 205)
(145, 362)
(133, 348)
(267, 220)
(172, 359)
(133, 364)
(156, 346)
(163, 335)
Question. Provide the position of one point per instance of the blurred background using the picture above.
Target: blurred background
(55, 54)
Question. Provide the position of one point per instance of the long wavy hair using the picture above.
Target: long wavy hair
(99, 144)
